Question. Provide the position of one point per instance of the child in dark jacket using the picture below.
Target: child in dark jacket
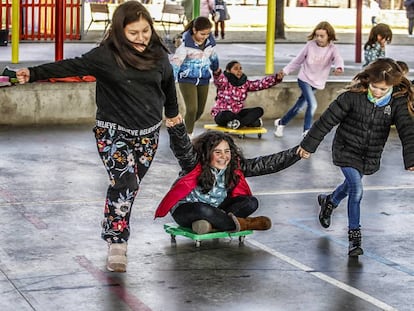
(381, 96)
(212, 193)
(232, 88)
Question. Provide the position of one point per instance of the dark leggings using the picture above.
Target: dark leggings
(195, 98)
(241, 206)
(248, 117)
(410, 26)
(216, 29)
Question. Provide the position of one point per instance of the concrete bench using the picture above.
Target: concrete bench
(45, 103)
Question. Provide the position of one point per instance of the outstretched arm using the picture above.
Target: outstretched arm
(269, 164)
(181, 145)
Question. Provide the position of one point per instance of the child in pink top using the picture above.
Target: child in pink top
(232, 88)
(315, 61)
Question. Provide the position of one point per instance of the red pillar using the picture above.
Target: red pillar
(358, 33)
(59, 27)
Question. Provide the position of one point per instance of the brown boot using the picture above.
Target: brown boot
(252, 223)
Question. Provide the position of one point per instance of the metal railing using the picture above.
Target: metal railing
(37, 19)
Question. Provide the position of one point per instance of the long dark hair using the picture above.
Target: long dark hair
(231, 64)
(389, 71)
(204, 145)
(379, 29)
(125, 53)
(199, 23)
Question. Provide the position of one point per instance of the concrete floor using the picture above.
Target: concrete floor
(52, 188)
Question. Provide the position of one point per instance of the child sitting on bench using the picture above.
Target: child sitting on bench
(232, 88)
(211, 193)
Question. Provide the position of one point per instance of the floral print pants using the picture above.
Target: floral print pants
(127, 159)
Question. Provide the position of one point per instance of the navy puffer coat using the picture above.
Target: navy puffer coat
(362, 131)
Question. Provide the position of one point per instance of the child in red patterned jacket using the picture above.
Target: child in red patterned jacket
(232, 88)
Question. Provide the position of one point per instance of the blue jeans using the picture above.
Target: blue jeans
(351, 187)
(307, 97)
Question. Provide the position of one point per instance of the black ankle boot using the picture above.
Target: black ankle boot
(354, 237)
(327, 208)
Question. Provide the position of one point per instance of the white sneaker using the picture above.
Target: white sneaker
(233, 124)
(117, 258)
(305, 133)
(201, 226)
(278, 128)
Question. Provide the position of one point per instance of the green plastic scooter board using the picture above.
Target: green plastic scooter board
(241, 132)
(174, 230)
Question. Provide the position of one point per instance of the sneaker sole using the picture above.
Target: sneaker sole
(116, 268)
(117, 264)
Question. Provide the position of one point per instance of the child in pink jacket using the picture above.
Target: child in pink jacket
(315, 62)
(232, 88)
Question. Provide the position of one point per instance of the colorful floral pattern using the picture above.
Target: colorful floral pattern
(127, 159)
(372, 52)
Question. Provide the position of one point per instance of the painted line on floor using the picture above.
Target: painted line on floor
(100, 201)
(32, 218)
(391, 264)
(113, 285)
(13, 286)
(323, 190)
(352, 290)
(150, 197)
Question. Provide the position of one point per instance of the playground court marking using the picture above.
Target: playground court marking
(352, 290)
(322, 190)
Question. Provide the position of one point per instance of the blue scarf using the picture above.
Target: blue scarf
(380, 102)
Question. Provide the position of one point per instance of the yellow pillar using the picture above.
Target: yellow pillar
(270, 36)
(15, 31)
(196, 8)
